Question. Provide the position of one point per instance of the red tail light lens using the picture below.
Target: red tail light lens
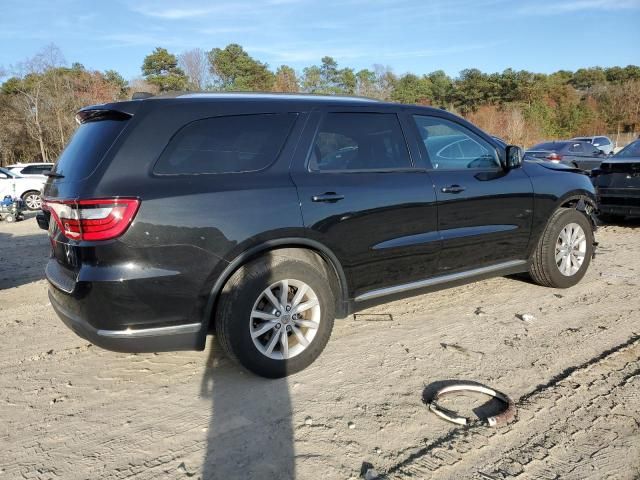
(99, 219)
(554, 157)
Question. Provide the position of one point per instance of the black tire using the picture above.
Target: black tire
(233, 312)
(543, 269)
(610, 218)
(27, 201)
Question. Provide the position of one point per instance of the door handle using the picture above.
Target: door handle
(453, 189)
(329, 197)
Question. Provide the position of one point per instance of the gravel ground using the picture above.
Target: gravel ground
(73, 411)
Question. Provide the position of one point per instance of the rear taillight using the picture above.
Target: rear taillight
(554, 157)
(96, 219)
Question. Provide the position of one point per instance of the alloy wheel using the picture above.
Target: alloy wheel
(284, 319)
(33, 201)
(571, 248)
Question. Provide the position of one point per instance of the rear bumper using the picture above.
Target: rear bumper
(156, 339)
(125, 315)
(618, 201)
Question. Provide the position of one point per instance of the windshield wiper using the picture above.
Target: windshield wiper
(54, 175)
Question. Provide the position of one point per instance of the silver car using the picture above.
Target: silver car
(604, 144)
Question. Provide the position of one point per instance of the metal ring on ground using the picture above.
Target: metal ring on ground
(500, 419)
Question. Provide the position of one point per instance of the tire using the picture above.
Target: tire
(244, 294)
(9, 218)
(544, 269)
(610, 218)
(32, 200)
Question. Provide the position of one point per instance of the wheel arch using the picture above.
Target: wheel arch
(581, 200)
(338, 284)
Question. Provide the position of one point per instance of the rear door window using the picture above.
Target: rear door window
(602, 141)
(229, 144)
(359, 141)
(87, 147)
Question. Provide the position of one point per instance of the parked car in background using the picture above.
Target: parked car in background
(617, 183)
(604, 144)
(31, 169)
(581, 155)
(316, 207)
(28, 189)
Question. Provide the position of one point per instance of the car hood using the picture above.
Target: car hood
(555, 166)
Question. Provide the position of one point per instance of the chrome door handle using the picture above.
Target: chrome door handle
(453, 189)
(329, 197)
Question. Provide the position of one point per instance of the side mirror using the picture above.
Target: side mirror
(514, 155)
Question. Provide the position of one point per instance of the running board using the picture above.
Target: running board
(452, 277)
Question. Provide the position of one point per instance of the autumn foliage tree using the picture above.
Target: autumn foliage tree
(40, 96)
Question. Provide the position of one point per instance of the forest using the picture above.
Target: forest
(39, 96)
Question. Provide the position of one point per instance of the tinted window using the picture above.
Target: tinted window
(548, 146)
(359, 141)
(602, 141)
(576, 148)
(452, 146)
(87, 147)
(631, 150)
(35, 170)
(591, 150)
(231, 144)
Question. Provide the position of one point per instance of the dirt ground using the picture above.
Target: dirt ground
(69, 410)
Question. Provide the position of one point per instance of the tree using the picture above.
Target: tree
(234, 69)
(115, 79)
(196, 66)
(285, 80)
(312, 80)
(412, 89)
(160, 68)
(441, 88)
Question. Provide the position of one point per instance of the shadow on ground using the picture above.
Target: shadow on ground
(250, 433)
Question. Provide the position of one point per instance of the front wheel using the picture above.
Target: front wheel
(32, 200)
(564, 251)
(275, 315)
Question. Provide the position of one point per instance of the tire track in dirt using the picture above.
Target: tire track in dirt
(619, 365)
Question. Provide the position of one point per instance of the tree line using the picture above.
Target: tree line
(40, 96)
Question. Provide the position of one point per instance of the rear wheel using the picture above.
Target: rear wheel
(32, 200)
(275, 315)
(564, 251)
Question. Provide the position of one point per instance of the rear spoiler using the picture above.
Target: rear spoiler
(95, 115)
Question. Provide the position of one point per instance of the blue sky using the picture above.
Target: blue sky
(407, 35)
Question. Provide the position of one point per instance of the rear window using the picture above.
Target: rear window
(548, 146)
(230, 144)
(87, 147)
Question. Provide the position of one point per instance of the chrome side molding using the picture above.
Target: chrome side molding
(451, 277)
(151, 332)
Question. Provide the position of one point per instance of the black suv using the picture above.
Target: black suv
(262, 217)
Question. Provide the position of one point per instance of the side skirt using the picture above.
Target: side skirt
(383, 295)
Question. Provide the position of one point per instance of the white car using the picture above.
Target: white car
(604, 144)
(31, 169)
(27, 188)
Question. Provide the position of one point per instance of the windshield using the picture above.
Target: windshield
(631, 150)
(8, 173)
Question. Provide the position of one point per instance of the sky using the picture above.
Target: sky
(417, 36)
